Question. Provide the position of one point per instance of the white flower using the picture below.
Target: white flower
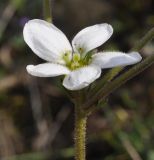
(79, 63)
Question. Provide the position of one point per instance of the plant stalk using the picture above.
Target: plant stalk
(47, 10)
(80, 134)
(141, 43)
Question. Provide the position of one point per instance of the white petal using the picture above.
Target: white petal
(82, 77)
(114, 59)
(46, 40)
(47, 70)
(92, 37)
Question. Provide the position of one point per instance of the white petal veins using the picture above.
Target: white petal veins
(46, 40)
(47, 70)
(92, 37)
(114, 59)
(82, 77)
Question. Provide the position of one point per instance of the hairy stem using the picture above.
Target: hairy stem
(47, 9)
(80, 134)
(80, 118)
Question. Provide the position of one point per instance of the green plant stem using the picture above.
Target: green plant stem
(101, 83)
(80, 134)
(47, 9)
(103, 93)
(94, 108)
(141, 43)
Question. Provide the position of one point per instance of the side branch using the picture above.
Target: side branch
(148, 37)
(115, 71)
(103, 93)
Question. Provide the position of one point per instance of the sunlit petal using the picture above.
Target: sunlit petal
(47, 70)
(92, 37)
(114, 59)
(46, 40)
(82, 77)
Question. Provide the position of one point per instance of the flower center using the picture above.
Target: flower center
(77, 61)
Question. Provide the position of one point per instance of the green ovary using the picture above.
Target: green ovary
(76, 61)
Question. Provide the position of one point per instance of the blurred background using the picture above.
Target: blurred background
(37, 118)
